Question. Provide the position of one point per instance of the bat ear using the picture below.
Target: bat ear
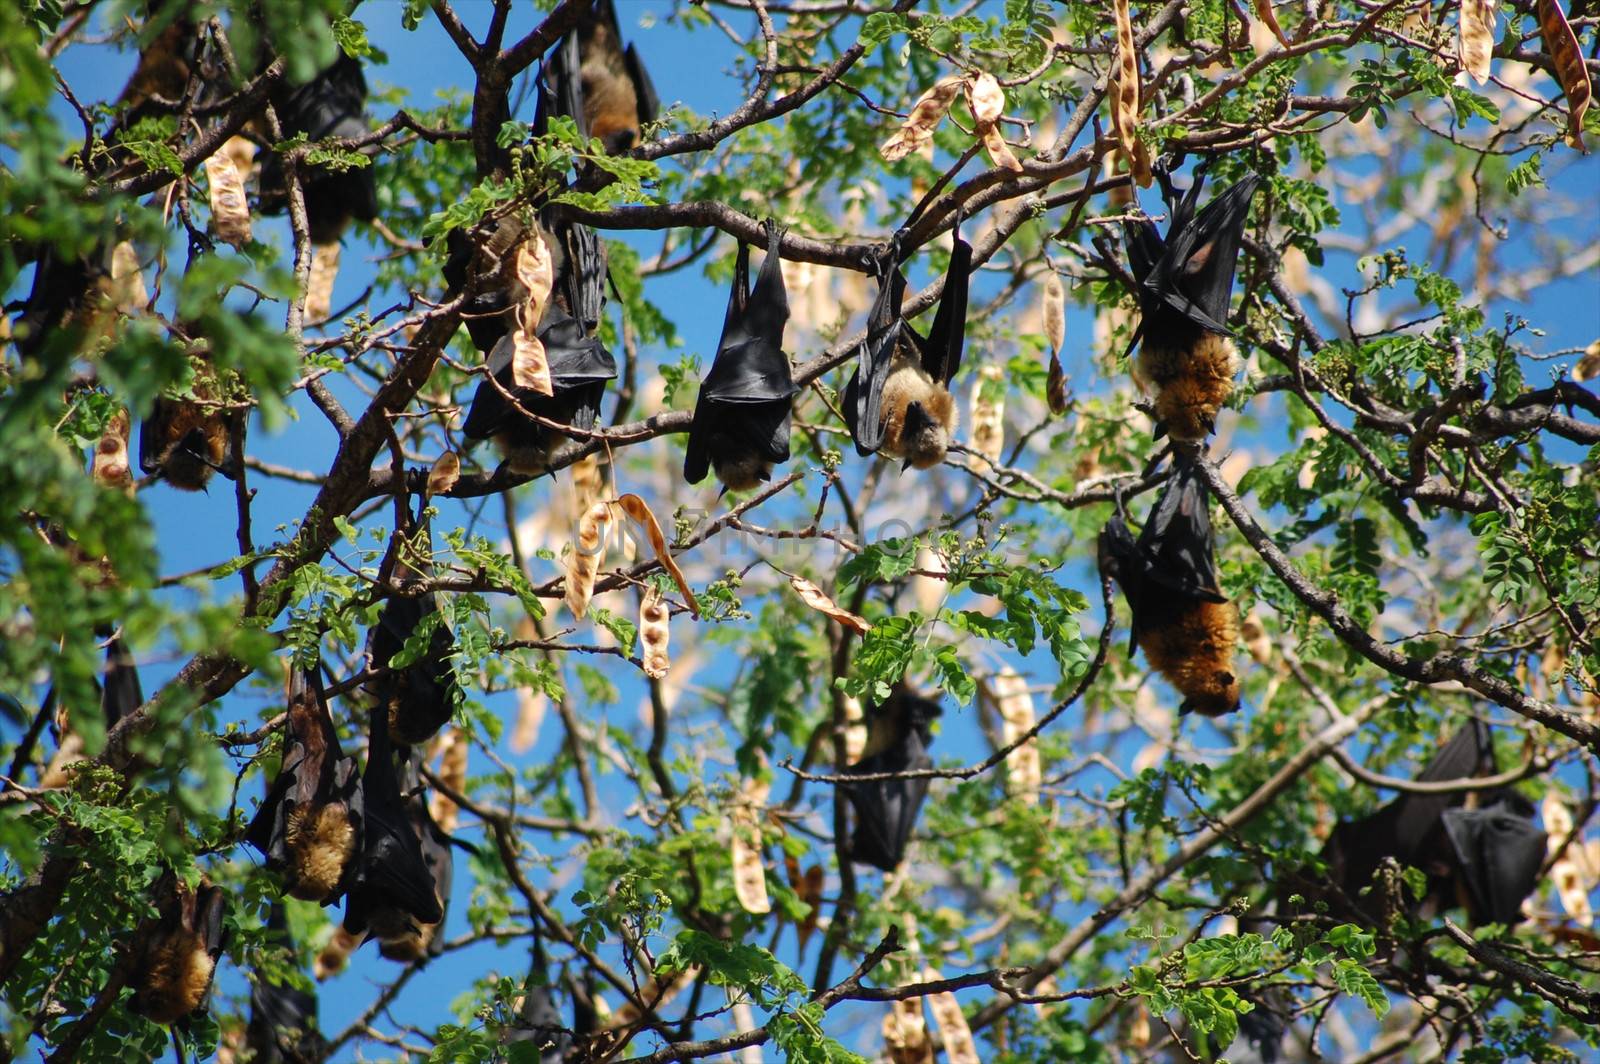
(1186, 707)
(1159, 430)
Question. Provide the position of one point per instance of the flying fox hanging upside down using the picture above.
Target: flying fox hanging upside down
(1480, 849)
(178, 956)
(283, 1018)
(309, 825)
(332, 104)
(1186, 628)
(900, 730)
(898, 401)
(611, 94)
(1186, 357)
(741, 419)
(185, 440)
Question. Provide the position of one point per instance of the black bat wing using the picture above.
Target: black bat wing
(1144, 245)
(1194, 275)
(644, 89)
(423, 692)
(941, 354)
(436, 854)
(575, 357)
(886, 810)
(1121, 559)
(1177, 542)
(561, 89)
(1470, 752)
(491, 410)
(122, 693)
(391, 871)
(1498, 853)
(863, 396)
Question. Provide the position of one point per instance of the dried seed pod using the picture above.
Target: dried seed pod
(653, 633)
(855, 730)
(749, 875)
(1053, 311)
(988, 412)
(813, 596)
(905, 1033)
(125, 287)
(1254, 634)
(1477, 38)
(319, 286)
(583, 561)
(929, 584)
(636, 508)
(1588, 367)
(954, 1031)
(531, 706)
(1557, 822)
(1265, 15)
(1024, 772)
(916, 132)
(535, 272)
(451, 750)
(1571, 72)
(111, 468)
(1125, 98)
(242, 152)
(230, 211)
(988, 102)
(1572, 892)
(336, 954)
(444, 474)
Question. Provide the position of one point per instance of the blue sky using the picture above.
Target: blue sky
(695, 68)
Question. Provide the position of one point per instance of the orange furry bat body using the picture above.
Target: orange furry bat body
(616, 98)
(184, 441)
(179, 955)
(1186, 628)
(1186, 360)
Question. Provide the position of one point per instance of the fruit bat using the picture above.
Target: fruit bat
(741, 420)
(1186, 357)
(120, 694)
(309, 825)
(330, 105)
(580, 365)
(177, 958)
(1186, 628)
(611, 95)
(886, 810)
(417, 698)
(1480, 851)
(283, 1018)
(184, 441)
(390, 887)
(898, 400)
(1265, 1025)
(401, 938)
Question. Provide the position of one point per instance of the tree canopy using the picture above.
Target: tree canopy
(855, 759)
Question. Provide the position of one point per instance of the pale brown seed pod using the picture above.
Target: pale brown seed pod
(451, 749)
(654, 633)
(444, 474)
(1476, 41)
(749, 874)
(817, 599)
(988, 412)
(111, 468)
(905, 1033)
(583, 560)
(319, 286)
(954, 1031)
(230, 211)
(1024, 771)
(916, 131)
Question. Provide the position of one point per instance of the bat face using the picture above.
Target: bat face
(173, 974)
(886, 810)
(1185, 280)
(898, 400)
(1185, 627)
(309, 825)
(283, 1019)
(332, 104)
(617, 95)
(390, 886)
(741, 418)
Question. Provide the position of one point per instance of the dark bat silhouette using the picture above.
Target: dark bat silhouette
(741, 419)
(886, 810)
(898, 400)
(283, 1018)
(611, 94)
(332, 104)
(184, 441)
(401, 938)
(1479, 850)
(1265, 1025)
(390, 887)
(417, 698)
(177, 957)
(1186, 356)
(309, 825)
(1186, 628)
(120, 694)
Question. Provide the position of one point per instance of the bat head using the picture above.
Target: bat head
(924, 440)
(740, 470)
(1217, 695)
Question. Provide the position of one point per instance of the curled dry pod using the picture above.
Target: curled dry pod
(583, 561)
(916, 132)
(230, 211)
(954, 1031)
(1562, 45)
(111, 468)
(1254, 634)
(242, 150)
(1125, 98)
(653, 633)
(905, 1033)
(749, 876)
(1053, 315)
(813, 596)
(988, 411)
(987, 102)
(535, 271)
(444, 474)
(319, 285)
(587, 483)
(1477, 38)
(1269, 19)
(636, 509)
(451, 750)
(1024, 773)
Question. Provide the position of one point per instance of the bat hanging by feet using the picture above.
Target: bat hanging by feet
(899, 733)
(741, 419)
(612, 93)
(185, 440)
(178, 955)
(330, 105)
(898, 400)
(1186, 628)
(309, 825)
(283, 1018)
(1186, 360)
